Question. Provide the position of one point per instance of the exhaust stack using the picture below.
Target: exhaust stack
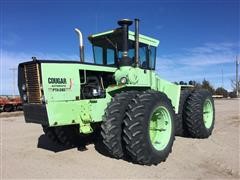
(136, 42)
(81, 47)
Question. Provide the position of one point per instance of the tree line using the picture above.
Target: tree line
(205, 84)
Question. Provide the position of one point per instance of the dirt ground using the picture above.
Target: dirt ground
(27, 153)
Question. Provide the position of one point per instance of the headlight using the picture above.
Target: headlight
(24, 88)
(123, 80)
(25, 97)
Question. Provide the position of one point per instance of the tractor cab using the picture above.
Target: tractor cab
(109, 49)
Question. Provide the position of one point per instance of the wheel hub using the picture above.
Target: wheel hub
(160, 128)
(207, 113)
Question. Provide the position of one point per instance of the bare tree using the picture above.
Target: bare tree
(234, 85)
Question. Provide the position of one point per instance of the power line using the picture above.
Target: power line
(222, 78)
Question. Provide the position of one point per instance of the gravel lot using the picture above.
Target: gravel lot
(27, 153)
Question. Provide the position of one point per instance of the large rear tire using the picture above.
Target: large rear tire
(111, 128)
(180, 126)
(199, 114)
(149, 128)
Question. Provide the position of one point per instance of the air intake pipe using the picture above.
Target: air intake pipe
(136, 42)
(125, 60)
(81, 47)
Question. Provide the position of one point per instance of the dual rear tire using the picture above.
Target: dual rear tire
(112, 125)
(142, 125)
(139, 126)
(199, 114)
(196, 114)
(149, 128)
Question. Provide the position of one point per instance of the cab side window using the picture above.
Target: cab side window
(152, 57)
(143, 57)
(110, 57)
(98, 54)
(103, 56)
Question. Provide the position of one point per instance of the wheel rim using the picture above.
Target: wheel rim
(207, 113)
(160, 128)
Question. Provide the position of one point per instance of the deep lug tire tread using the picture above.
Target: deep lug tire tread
(111, 127)
(136, 135)
(193, 114)
(68, 135)
(50, 133)
(180, 126)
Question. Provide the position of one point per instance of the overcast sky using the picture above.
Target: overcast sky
(198, 39)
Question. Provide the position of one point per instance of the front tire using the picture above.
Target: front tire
(63, 135)
(149, 128)
(199, 114)
(68, 135)
(51, 134)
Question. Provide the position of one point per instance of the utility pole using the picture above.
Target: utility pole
(14, 79)
(222, 77)
(237, 84)
(222, 81)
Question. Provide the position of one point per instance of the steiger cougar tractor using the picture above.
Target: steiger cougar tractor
(138, 112)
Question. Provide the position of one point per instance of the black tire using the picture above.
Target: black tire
(8, 108)
(180, 126)
(111, 128)
(68, 135)
(19, 107)
(136, 128)
(51, 134)
(193, 114)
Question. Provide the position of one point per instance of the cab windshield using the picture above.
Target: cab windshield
(107, 55)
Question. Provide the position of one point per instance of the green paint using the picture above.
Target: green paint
(53, 92)
(62, 100)
(146, 78)
(208, 113)
(81, 112)
(142, 39)
(128, 72)
(160, 128)
(172, 90)
(65, 107)
(102, 33)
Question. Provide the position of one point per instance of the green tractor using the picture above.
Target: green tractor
(120, 95)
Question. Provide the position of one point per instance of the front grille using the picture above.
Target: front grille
(32, 78)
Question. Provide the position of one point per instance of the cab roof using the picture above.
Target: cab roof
(131, 36)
